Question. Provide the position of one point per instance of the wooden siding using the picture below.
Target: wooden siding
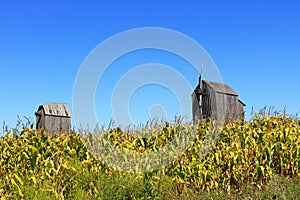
(228, 107)
(209, 103)
(57, 124)
(195, 107)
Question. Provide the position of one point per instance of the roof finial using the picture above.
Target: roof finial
(201, 69)
(200, 78)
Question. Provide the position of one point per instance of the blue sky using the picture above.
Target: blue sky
(255, 45)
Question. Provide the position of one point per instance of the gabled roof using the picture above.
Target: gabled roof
(221, 88)
(56, 109)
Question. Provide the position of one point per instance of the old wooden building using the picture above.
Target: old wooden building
(216, 101)
(53, 117)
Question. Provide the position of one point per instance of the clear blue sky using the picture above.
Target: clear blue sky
(255, 45)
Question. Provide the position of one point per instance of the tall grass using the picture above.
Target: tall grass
(258, 159)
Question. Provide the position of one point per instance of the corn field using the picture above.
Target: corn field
(35, 164)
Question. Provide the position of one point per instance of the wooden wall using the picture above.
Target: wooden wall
(54, 124)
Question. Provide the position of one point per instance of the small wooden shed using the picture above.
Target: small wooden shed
(54, 117)
(216, 101)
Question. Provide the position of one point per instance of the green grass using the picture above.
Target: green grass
(128, 186)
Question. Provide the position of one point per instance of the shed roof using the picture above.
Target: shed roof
(56, 109)
(221, 88)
